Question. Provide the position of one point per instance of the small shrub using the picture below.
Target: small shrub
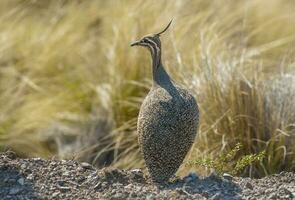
(226, 162)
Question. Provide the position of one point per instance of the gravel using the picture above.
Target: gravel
(36, 178)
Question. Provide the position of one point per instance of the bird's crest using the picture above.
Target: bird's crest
(165, 29)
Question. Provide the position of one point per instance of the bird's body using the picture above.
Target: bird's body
(167, 121)
(167, 125)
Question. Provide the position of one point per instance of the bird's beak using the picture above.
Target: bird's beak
(136, 43)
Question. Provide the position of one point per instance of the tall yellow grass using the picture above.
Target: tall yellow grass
(71, 86)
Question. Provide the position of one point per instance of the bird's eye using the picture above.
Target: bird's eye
(144, 40)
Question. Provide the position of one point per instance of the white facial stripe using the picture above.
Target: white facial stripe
(154, 46)
(150, 45)
(151, 48)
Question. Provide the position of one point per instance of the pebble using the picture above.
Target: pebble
(9, 180)
(273, 196)
(11, 154)
(30, 177)
(64, 188)
(128, 187)
(98, 185)
(55, 194)
(150, 197)
(205, 194)
(188, 179)
(113, 191)
(86, 165)
(66, 173)
(14, 190)
(217, 196)
(137, 171)
(193, 176)
(118, 195)
(21, 181)
(23, 166)
(104, 184)
(249, 186)
(227, 176)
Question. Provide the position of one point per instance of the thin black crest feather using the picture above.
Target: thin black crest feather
(165, 29)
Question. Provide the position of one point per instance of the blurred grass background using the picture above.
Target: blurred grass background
(71, 87)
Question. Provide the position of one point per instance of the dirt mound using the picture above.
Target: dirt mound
(59, 179)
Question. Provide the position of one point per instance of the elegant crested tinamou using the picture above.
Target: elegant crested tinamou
(168, 118)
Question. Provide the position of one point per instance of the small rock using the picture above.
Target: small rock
(53, 163)
(149, 197)
(81, 180)
(14, 191)
(198, 196)
(10, 180)
(23, 166)
(118, 195)
(205, 194)
(188, 179)
(55, 194)
(133, 195)
(61, 183)
(128, 187)
(273, 196)
(227, 176)
(30, 177)
(21, 181)
(198, 189)
(249, 186)
(11, 154)
(98, 185)
(213, 175)
(136, 171)
(64, 188)
(217, 196)
(104, 184)
(113, 192)
(194, 176)
(66, 173)
(86, 165)
(119, 184)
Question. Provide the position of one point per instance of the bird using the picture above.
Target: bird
(168, 117)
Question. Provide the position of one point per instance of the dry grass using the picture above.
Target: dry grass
(71, 86)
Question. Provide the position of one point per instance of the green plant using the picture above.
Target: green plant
(229, 162)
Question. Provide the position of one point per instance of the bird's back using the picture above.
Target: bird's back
(167, 126)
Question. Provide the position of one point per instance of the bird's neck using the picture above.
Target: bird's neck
(160, 76)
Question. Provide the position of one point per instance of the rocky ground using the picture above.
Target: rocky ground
(58, 179)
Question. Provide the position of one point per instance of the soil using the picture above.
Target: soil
(37, 178)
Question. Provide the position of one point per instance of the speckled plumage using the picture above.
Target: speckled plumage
(167, 121)
(167, 126)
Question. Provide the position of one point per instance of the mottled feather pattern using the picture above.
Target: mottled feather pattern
(168, 118)
(167, 126)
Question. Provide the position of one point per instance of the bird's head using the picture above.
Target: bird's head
(152, 41)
